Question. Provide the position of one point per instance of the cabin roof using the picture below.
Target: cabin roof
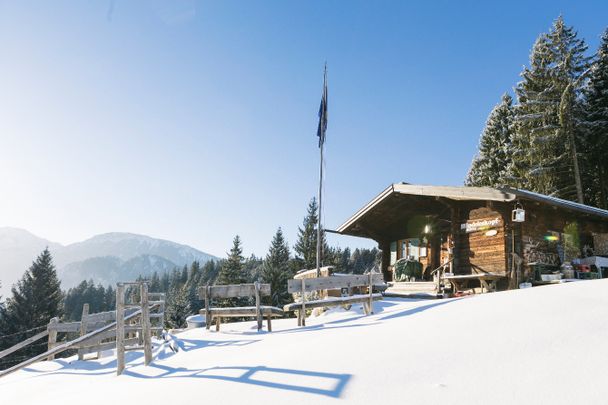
(464, 193)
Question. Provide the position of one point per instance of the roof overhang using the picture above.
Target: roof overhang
(394, 198)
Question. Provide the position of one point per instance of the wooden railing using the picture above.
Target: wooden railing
(97, 332)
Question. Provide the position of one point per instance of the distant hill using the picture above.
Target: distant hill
(105, 258)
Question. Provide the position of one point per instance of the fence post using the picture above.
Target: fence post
(162, 318)
(145, 323)
(83, 327)
(207, 306)
(371, 298)
(303, 311)
(258, 311)
(52, 328)
(120, 328)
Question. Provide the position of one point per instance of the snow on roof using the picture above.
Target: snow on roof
(489, 347)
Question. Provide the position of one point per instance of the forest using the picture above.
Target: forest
(552, 136)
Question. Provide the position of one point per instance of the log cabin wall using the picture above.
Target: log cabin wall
(544, 222)
(539, 223)
(478, 248)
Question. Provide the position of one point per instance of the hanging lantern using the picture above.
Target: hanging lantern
(518, 214)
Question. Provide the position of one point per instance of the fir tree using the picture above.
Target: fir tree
(155, 285)
(192, 286)
(276, 270)
(543, 151)
(232, 271)
(489, 168)
(210, 272)
(595, 139)
(36, 298)
(252, 268)
(177, 306)
(306, 245)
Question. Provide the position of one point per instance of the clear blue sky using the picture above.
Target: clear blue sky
(195, 121)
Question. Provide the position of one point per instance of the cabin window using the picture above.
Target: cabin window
(408, 248)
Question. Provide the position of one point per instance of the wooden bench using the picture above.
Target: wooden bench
(487, 281)
(307, 285)
(257, 290)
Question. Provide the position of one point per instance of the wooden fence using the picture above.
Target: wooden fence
(97, 332)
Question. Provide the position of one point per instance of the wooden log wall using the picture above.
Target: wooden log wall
(543, 222)
(479, 249)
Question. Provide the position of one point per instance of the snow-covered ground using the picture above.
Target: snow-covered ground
(538, 345)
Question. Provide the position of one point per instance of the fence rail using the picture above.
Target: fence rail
(98, 331)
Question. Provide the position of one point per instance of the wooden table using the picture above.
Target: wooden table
(486, 280)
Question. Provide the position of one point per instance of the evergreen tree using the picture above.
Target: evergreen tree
(276, 270)
(306, 245)
(252, 268)
(210, 272)
(595, 144)
(183, 278)
(177, 307)
(489, 168)
(232, 271)
(345, 261)
(36, 298)
(543, 149)
(110, 298)
(165, 281)
(155, 285)
(192, 286)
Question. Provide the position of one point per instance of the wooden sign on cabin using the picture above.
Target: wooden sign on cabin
(480, 225)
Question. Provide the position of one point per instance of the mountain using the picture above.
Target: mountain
(105, 258)
(110, 269)
(126, 246)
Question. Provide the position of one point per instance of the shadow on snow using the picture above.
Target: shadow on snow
(327, 384)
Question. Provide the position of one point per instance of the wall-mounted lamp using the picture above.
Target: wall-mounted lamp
(518, 214)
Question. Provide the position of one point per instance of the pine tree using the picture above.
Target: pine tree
(36, 298)
(543, 149)
(595, 131)
(232, 271)
(306, 245)
(210, 272)
(110, 298)
(192, 286)
(155, 285)
(252, 268)
(276, 270)
(178, 306)
(489, 168)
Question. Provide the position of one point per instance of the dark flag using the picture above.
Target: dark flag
(323, 112)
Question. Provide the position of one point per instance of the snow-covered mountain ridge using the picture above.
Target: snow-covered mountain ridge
(104, 258)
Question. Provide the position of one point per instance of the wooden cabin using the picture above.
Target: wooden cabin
(475, 231)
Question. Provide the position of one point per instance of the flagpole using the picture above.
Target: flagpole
(322, 142)
(319, 216)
